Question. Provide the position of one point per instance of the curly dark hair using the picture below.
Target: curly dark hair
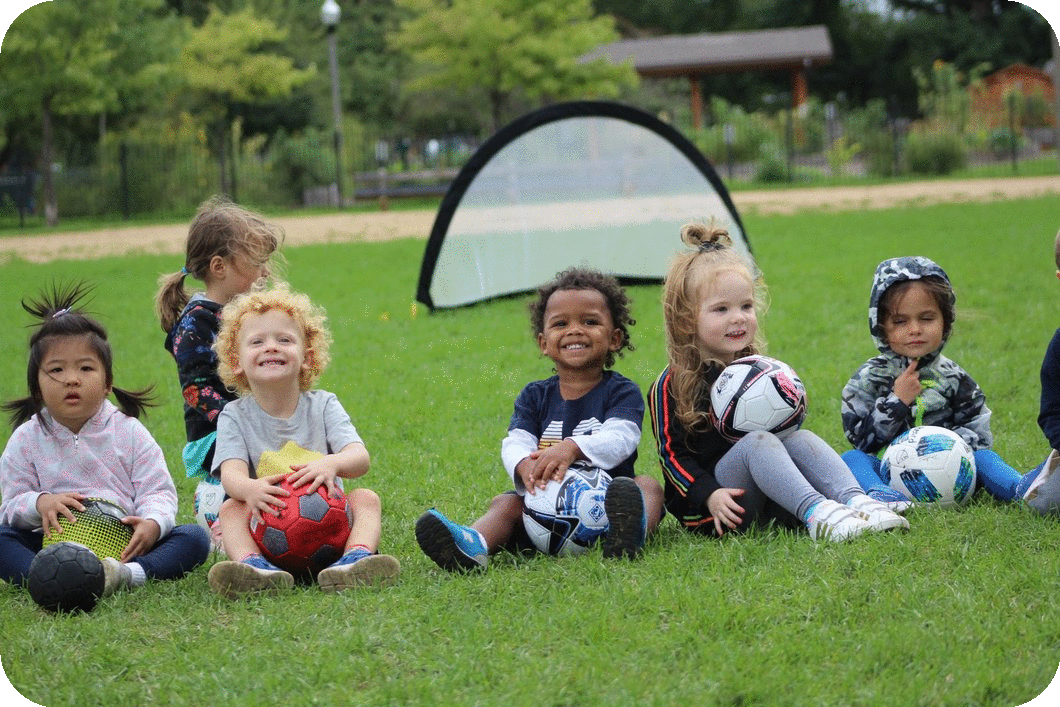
(586, 279)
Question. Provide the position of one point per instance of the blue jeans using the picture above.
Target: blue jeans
(992, 473)
(185, 548)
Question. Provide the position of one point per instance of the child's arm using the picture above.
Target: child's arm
(693, 482)
(971, 416)
(873, 415)
(1049, 403)
(25, 504)
(516, 449)
(349, 463)
(197, 365)
(154, 494)
(260, 495)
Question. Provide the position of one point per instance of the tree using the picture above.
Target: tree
(65, 58)
(509, 49)
(230, 61)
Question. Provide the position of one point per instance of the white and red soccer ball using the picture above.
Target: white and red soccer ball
(757, 393)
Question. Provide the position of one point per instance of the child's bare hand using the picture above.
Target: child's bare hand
(145, 535)
(726, 511)
(551, 463)
(907, 385)
(265, 496)
(318, 472)
(52, 505)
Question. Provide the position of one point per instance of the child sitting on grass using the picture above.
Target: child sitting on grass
(71, 443)
(911, 383)
(585, 412)
(272, 348)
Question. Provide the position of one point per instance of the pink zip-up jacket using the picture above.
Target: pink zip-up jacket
(112, 457)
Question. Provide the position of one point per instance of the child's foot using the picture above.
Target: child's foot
(627, 524)
(1043, 495)
(877, 514)
(895, 501)
(253, 575)
(831, 520)
(359, 568)
(116, 576)
(452, 546)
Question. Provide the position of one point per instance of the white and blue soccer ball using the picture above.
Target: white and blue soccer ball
(757, 393)
(209, 495)
(930, 465)
(567, 516)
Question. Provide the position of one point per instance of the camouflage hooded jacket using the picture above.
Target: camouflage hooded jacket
(873, 415)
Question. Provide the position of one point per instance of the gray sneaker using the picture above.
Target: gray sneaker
(370, 571)
(235, 579)
(116, 576)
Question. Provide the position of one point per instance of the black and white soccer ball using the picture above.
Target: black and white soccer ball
(66, 577)
(930, 465)
(757, 393)
(567, 516)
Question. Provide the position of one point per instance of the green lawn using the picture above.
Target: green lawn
(959, 611)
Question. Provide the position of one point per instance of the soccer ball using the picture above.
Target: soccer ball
(757, 393)
(98, 527)
(209, 495)
(930, 465)
(309, 534)
(66, 577)
(567, 517)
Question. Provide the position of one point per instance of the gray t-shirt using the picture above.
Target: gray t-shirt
(244, 430)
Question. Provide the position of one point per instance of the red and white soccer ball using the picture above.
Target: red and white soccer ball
(757, 393)
(309, 534)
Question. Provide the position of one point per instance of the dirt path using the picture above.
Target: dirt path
(379, 226)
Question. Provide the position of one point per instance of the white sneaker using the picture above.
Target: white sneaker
(831, 520)
(879, 516)
(1044, 492)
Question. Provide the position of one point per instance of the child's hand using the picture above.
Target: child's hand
(907, 385)
(550, 463)
(726, 511)
(265, 496)
(52, 505)
(317, 472)
(145, 535)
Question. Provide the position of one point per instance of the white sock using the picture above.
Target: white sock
(139, 577)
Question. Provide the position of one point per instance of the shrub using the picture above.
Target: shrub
(933, 151)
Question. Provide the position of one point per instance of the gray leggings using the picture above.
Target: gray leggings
(795, 473)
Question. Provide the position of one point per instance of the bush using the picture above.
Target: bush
(1003, 142)
(772, 166)
(934, 152)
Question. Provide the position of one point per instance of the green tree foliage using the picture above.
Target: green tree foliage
(233, 59)
(509, 49)
(85, 58)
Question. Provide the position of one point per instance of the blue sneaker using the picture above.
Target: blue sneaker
(452, 546)
(627, 523)
(253, 575)
(359, 568)
(895, 501)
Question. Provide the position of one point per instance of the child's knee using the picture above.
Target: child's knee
(507, 504)
(364, 499)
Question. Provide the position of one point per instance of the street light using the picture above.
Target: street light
(330, 12)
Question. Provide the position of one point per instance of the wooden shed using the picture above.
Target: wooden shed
(795, 50)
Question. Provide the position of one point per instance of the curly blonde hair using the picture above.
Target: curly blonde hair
(690, 277)
(309, 317)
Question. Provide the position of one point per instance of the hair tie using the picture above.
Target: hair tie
(184, 270)
(710, 246)
(60, 312)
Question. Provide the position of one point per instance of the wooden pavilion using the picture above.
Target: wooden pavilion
(795, 49)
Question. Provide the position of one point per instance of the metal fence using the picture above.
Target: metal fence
(126, 178)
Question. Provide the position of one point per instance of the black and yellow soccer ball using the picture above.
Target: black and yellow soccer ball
(98, 527)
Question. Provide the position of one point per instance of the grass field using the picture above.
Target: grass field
(961, 610)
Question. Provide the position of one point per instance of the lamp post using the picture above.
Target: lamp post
(330, 12)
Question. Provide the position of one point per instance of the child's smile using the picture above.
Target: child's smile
(578, 330)
(271, 348)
